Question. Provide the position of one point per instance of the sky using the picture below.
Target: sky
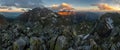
(73, 2)
(86, 4)
(21, 5)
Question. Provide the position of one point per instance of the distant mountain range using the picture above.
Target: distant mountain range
(87, 16)
(11, 14)
(41, 13)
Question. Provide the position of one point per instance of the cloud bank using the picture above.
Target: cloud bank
(62, 6)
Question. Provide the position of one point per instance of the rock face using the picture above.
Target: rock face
(41, 16)
(19, 44)
(113, 16)
(42, 29)
(106, 24)
(35, 14)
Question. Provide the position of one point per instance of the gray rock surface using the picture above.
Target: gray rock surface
(42, 29)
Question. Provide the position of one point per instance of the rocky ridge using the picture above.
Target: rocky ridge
(42, 29)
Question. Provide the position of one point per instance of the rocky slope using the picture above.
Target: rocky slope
(35, 14)
(42, 29)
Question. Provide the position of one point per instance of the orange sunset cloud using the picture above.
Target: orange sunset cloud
(62, 6)
(104, 6)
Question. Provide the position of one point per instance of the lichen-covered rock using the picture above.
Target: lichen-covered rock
(36, 44)
(70, 49)
(59, 43)
(62, 42)
(52, 42)
(19, 44)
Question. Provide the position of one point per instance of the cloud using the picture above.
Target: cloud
(54, 6)
(21, 3)
(11, 10)
(62, 6)
(3, 7)
(104, 6)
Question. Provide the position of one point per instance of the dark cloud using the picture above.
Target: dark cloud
(21, 3)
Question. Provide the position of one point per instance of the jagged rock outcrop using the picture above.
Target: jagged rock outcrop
(114, 16)
(42, 16)
(36, 14)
